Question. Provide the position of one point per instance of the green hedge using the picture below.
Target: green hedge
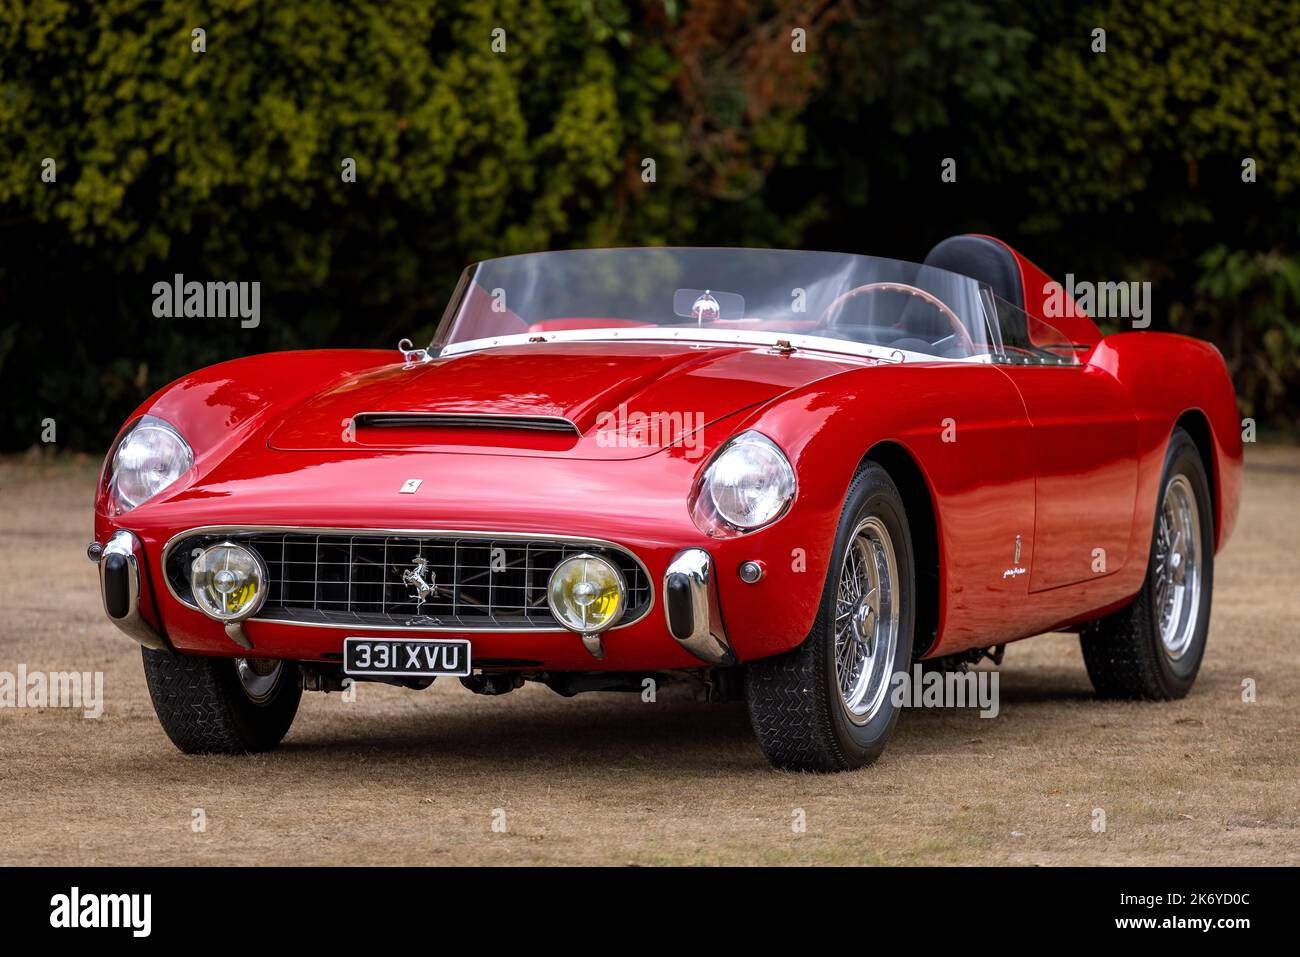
(226, 164)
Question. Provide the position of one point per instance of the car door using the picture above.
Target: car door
(971, 436)
(1084, 448)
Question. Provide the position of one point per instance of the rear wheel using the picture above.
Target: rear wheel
(220, 705)
(1153, 647)
(826, 705)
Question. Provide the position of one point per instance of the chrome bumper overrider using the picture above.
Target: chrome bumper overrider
(692, 610)
(119, 585)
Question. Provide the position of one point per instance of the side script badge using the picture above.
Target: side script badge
(409, 486)
(1015, 571)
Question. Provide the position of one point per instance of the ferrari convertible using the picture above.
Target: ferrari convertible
(788, 476)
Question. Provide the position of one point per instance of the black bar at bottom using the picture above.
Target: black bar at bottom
(332, 906)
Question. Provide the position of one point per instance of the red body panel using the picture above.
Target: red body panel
(1084, 444)
(1036, 288)
(1066, 458)
(684, 384)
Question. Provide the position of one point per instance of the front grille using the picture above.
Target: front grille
(477, 583)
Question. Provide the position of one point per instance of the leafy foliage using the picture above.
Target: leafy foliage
(1247, 302)
(227, 164)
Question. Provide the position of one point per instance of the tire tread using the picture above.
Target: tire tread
(1122, 651)
(197, 708)
(789, 707)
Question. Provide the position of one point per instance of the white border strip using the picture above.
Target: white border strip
(715, 336)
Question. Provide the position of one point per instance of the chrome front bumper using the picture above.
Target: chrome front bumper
(691, 606)
(120, 562)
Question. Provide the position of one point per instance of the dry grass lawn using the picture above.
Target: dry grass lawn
(419, 777)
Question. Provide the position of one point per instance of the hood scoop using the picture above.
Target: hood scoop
(464, 420)
(591, 400)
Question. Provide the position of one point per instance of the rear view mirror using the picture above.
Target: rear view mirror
(705, 305)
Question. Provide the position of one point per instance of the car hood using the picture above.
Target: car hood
(606, 400)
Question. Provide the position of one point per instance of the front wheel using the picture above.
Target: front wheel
(826, 705)
(1153, 647)
(222, 705)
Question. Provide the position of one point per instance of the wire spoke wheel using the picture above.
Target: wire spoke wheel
(1152, 647)
(826, 704)
(1178, 572)
(866, 620)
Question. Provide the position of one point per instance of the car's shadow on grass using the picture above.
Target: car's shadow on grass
(612, 732)
(680, 734)
(621, 729)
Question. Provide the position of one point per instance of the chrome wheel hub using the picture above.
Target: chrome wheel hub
(866, 620)
(259, 676)
(1178, 558)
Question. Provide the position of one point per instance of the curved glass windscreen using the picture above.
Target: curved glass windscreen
(1027, 340)
(833, 301)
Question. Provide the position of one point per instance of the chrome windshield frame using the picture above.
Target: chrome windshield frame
(690, 335)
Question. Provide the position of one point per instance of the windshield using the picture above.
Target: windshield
(816, 300)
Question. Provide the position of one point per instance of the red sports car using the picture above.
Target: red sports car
(789, 474)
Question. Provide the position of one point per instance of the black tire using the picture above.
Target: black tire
(204, 708)
(794, 699)
(1124, 652)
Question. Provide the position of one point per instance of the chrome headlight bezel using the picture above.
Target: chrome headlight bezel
(709, 506)
(177, 460)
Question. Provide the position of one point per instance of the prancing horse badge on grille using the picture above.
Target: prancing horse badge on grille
(414, 577)
(409, 486)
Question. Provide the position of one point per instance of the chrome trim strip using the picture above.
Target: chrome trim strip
(236, 530)
(452, 420)
(403, 629)
(692, 334)
(125, 544)
(708, 638)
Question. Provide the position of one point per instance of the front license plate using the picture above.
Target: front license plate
(419, 657)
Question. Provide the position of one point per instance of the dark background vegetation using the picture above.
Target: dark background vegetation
(225, 165)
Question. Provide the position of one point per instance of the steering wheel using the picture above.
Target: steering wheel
(958, 327)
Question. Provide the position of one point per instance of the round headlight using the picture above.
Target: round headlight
(586, 593)
(750, 482)
(151, 457)
(229, 581)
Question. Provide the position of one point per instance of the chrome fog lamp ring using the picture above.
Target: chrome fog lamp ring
(587, 594)
(229, 582)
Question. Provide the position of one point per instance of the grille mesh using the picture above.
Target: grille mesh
(477, 583)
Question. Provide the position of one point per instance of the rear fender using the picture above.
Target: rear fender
(1168, 377)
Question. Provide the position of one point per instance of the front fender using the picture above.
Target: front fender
(218, 407)
(963, 425)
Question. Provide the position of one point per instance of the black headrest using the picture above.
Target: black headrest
(982, 259)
